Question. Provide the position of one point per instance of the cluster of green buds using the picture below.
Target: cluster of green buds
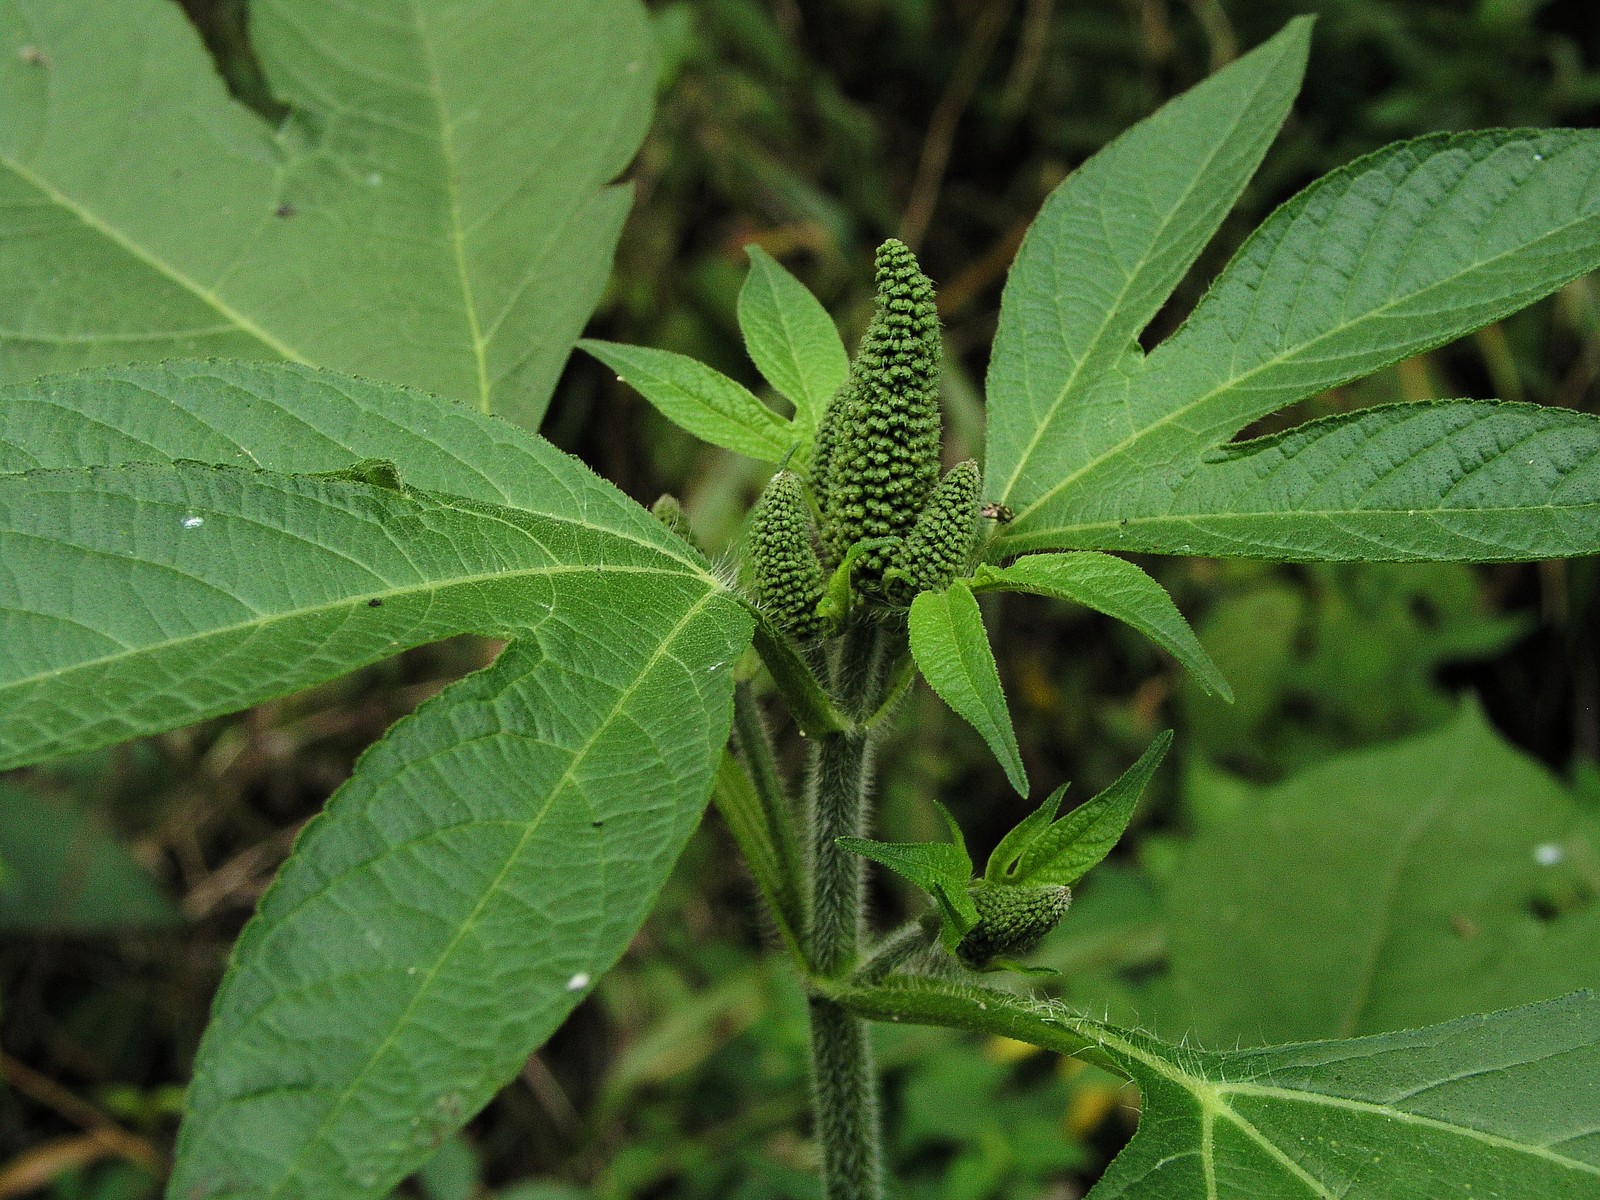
(875, 516)
(1011, 920)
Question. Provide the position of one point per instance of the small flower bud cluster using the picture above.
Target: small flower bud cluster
(787, 573)
(940, 543)
(888, 527)
(1011, 920)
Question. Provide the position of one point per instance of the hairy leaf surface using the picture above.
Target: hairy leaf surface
(143, 597)
(1401, 251)
(154, 616)
(487, 861)
(434, 210)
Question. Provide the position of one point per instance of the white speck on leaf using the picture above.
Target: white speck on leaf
(411, 970)
(1548, 854)
(374, 179)
(193, 522)
(578, 982)
(1538, 158)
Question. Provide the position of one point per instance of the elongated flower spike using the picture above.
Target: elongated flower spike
(940, 543)
(788, 580)
(876, 458)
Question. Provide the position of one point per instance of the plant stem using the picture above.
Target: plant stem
(844, 1079)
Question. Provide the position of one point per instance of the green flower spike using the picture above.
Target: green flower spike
(940, 543)
(876, 457)
(788, 577)
(1011, 920)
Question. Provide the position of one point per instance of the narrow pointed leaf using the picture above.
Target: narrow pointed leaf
(1117, 588)
(1448, 480)
(485, 864)
(1003, 861)
(1109, 246)
(922, 863)
(1064, 853)
(434, 211)
(698, 398)
(1502, 1104)
(791, 337)
(1401, 251)
(941, 869)
(952, 651)
(139, 598)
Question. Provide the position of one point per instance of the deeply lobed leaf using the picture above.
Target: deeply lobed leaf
(435, 210)
(487, 861)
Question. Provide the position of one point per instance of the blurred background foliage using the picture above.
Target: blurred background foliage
(816, 129)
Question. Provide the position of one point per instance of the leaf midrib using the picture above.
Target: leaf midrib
(162, 267)
(458, 244)
(354, 599)
(1207, 1092)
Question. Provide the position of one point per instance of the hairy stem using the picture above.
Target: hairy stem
(844, 1080)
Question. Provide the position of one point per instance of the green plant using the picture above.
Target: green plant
(182, 539)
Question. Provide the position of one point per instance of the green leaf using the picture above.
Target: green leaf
(1109, 246)
(487, 861)
(287, 418)
(1401, 251)
(1476, 480)
(64, 871)
(925, 864)
(942, 869)
(434, 211)
(1003, 859)
(162, 610)
(143, 597)
(1387, 888)
(1503, 1104)
(698, 398)
(952, 652)
(791, 337)
(1117, 588)
(1064, 853)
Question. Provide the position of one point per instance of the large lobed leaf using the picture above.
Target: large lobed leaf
(1398, 252)
(487, 860)
(139, 597)
(435, 209)
(1388, 888)
(1109, 246)
(1496, 1105)
(485, 864)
